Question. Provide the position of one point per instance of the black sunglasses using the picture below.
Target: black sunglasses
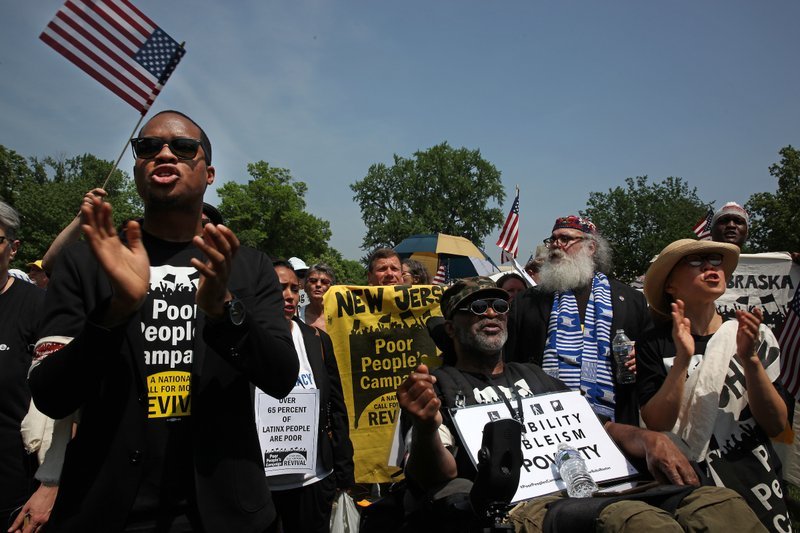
(479, 307)
(698, 260)
(149, 147)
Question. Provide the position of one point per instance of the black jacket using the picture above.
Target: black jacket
(527, 333)
(102, 372)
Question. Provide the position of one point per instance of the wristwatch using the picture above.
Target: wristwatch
(234, 310)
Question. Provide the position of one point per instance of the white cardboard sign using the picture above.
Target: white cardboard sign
(287, 429)
(549, 419)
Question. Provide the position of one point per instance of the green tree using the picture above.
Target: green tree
(268, 213)
(641, 218)
(47, 194)
(440, 190)
(774, 217)
(348, 271)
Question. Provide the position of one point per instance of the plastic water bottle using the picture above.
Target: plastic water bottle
(622, 347)
(572, 469)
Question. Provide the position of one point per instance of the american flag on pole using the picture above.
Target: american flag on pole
(441, 275)
(509, 237)
(789, 341)
(117, 45)
(702, 227)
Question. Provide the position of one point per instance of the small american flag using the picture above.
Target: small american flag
(789, 341)
(702, 227)
(441, 275)
(509, 237)
(117, 45)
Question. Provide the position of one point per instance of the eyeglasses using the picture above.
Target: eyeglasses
(479, 307)
(564, 241)
(321, 281)
(698, 260)
(149, 147)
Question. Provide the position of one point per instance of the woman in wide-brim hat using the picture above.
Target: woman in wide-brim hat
(709, 381)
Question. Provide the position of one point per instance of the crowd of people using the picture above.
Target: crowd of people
(136, 408)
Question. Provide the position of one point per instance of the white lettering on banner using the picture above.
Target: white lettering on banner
(287, 431)
(550, 419)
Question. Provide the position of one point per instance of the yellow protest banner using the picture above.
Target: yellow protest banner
(380, 337)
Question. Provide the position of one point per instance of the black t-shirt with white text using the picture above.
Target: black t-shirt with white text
(167, 321)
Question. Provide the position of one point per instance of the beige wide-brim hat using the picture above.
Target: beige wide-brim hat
(659, 270)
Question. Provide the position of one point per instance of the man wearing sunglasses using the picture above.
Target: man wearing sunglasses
(566, 323)
(156, 335)
(472, 337)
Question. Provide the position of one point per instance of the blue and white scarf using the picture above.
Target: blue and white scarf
(581, 357)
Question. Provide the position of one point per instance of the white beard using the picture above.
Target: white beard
(566, 272)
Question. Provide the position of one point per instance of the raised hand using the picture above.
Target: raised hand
(127, 266)
(681, 331)
(219, 244)
(747, 333)
(417, 396)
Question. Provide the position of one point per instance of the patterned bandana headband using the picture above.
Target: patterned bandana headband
(575, 222)
(732, 208)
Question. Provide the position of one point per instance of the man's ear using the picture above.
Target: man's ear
(210, 174)
(449, 329)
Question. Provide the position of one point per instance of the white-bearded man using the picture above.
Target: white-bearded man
(567, 322)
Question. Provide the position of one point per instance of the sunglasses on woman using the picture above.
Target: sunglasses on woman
(698, 260)
(149, 147)
(479, 307)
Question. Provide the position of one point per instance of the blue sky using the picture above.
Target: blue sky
(564, 97)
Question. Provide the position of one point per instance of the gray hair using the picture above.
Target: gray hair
(325, 269)
(602, 254)
(9, 220)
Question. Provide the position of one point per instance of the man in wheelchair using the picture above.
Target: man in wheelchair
(440, 472)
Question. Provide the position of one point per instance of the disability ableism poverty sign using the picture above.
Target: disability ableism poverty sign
(548, 420)
(379, 337)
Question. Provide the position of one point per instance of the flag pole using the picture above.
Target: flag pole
(122, 153)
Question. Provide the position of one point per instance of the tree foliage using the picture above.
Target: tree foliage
(774, 218)
(47, 194)
(268, 213)
(348, 271)
(440, 190)
(641, 218)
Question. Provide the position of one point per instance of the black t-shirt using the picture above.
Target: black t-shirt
(20, 313)
(512, 383)
(168, 330)
(653, 352)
